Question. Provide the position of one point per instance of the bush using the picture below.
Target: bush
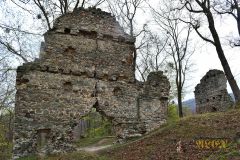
(104, 129)
(172, 113)
(5, 145)
(99, 125)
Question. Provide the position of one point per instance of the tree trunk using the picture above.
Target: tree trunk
(224, 62)
(238, 20)
(180, 112)
(179, 87)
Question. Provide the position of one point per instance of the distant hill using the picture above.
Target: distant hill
(190, 104)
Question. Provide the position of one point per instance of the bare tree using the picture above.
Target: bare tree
(17, 46)
(49, 10)
(181, 58)
(178, 46)
(232, 8)
(152, 55)
(204, 8)
(7, 89)
(15, 41)
(125, 11)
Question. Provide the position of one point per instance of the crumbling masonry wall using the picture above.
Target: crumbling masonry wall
(211, 94)
(87, 61)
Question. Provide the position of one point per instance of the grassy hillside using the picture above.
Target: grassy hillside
(162, 144)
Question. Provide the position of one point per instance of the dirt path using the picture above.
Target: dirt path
(99, 145)
(93, 148)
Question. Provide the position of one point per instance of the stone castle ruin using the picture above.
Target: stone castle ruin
(211, 94)
(87, 62)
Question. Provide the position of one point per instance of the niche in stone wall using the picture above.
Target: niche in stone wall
(121, 39)
(106, 36)
(67, 86)
(29, 114)
(214, 109)
(70, 50)
(89, 34)
(117, 91)
(22, 80)
(67, 30)
(43, 135)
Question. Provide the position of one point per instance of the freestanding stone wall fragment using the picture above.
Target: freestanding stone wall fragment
(211, 94)
(86, 61)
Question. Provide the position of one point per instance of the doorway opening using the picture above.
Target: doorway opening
(94, 128)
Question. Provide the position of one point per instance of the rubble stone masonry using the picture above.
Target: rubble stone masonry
(211, 93)
(86, 61)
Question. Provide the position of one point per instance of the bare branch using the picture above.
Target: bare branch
(19, 30)
(38, 3)
(12, 50)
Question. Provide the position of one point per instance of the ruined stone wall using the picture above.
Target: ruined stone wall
(87, 62)
(95, 41)
(211, 94)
